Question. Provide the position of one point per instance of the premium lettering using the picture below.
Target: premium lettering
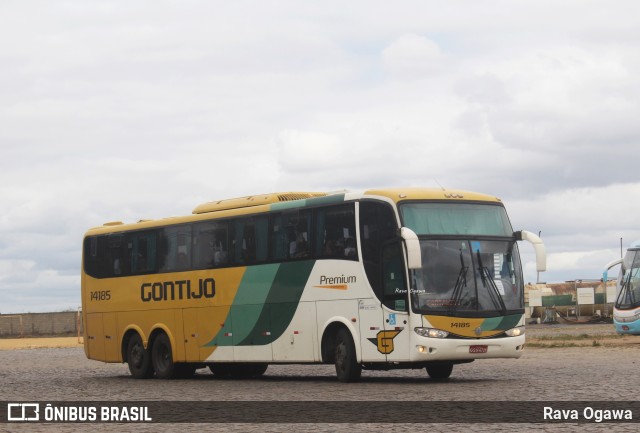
(338, 280)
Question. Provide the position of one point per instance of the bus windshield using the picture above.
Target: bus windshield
(629, 296)
(470, 262)
(434, 218)
(474, 277)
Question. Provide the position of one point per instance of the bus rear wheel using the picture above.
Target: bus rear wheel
(440, 371)
(347, 367)
(138, 358)
(162, 358)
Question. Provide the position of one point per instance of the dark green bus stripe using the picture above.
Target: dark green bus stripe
(265, 303)
(281, 303)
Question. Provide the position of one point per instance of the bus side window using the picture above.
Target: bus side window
(335, 232)
(289, 235)
(115, 255)
(142, 251)
(279, 237)
(96, 261)
(250, 240)
(210, 240)
(175, 248)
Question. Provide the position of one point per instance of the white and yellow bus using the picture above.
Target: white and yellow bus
(385, 279)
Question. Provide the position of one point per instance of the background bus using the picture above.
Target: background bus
(626, 310)
(390, 278)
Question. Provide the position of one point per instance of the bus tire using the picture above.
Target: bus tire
(138, 358)
(347, 367)
(440, 371)
(162, 358)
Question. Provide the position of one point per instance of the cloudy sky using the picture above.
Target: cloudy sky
(121, 110)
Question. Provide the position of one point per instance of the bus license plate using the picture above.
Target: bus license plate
(478, 349)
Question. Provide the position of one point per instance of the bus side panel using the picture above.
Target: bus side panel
(112, 351)
(94, 335)
(339, 311)
(179, 354)
(148, 321)
(192, 341)
(299, 341)
(252, 332)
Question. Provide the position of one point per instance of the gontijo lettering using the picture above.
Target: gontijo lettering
(181, 289)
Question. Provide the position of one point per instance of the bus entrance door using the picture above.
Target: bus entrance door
(394, 341)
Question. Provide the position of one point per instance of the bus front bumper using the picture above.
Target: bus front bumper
(449, 349)
(630, 328)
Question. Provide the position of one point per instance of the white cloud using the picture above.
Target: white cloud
(414, 57)
(123, 111)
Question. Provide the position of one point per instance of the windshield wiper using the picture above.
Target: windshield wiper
(494, 293)
(626, 293)
(461, 283)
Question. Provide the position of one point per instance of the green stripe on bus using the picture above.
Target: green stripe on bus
(289, 205)
(501, 323)
(281, 303)
(247, 304)
(250, 301)
(329, 199)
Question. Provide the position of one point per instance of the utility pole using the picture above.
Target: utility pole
(538, 272)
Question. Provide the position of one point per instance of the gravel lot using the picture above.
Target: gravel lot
(591, 373)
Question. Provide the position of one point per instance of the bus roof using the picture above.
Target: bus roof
(284, 200)
(634, 245)
(254, 200)
(401, 194)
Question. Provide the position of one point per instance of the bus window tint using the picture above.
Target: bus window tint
(249, 240)
(377, 226)
(335, 233)
(115, 255)
(141, 250)
(289, 235)
(95, 257)
(210, 244)
(175, 248)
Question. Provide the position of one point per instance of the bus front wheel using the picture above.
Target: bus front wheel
(440, 371)
(138, 358)
(347, 367)
(162, 357)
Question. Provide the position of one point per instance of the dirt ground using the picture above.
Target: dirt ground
(39, 343)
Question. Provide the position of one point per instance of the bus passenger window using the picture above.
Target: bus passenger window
(335, 233)
(115, 255)
(175, 248)
(249, 240)
(210, 241)
(290, 235)
(141, 249)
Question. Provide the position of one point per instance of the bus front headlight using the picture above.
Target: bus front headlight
(515, 332)
(431, 332)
